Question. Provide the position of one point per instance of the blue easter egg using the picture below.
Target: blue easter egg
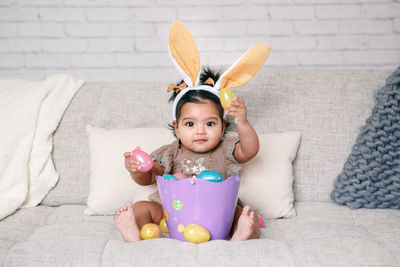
(170, 177)
(211, 176)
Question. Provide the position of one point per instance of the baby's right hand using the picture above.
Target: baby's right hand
(130, 164)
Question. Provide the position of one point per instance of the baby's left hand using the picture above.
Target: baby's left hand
(238, 110)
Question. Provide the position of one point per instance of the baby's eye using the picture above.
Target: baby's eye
(189, 123)
(210, 123)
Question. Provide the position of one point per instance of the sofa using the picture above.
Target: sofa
(327, 106)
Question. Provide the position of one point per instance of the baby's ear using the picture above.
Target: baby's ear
(245, 68)
(175, 124)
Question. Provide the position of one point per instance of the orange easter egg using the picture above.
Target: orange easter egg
(226, 97)
(150, 230)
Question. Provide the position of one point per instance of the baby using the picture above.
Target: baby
(199, 127)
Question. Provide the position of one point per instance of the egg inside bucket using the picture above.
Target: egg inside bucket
(193, 201)
(211, 176)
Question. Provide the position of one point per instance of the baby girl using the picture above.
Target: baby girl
(199, 125)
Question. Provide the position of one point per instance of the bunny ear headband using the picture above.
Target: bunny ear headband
(184, 55)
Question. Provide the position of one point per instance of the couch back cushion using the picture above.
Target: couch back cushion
(328, 106)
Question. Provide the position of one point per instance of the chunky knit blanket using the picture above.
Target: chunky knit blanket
(29, 114)
(371, 175)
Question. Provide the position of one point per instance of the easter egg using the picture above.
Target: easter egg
(179, 175)
(260, 221)
(181, 228)
(163, 226)
(196, 234)
(226, 96)
(150, 230)
(211, 176)
(144, 160)
(170, 177)
(177, 204)
(166, 215)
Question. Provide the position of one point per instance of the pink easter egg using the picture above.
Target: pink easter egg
(179, 175)
(144, 160)
(260, 221)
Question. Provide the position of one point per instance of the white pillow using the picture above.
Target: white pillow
(110, 183)
(266, 184)
(267, 179)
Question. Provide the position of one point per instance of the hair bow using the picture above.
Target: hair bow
(176, 88)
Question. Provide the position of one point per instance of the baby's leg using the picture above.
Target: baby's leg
(245, 225)
(130, 218)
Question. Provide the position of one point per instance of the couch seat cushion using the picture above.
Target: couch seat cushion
(321, 234)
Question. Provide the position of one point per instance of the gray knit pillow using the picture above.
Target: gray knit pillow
(371, 175)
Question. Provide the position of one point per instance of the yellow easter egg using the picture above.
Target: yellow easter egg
(166, 215)
(226, 97)
(150, 230)
(196, 234)
(181, 228)
(163, 226)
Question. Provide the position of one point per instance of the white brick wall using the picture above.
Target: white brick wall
(127, 39)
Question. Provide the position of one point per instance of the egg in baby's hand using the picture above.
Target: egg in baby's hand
(150, 230)
(226, 97)
(144, 160)
(196, 234)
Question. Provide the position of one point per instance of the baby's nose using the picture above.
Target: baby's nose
(200, 129)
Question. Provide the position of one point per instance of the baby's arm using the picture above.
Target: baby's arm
(142, 178)
(248, 145)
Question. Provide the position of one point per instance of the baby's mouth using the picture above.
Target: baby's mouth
(200, 140)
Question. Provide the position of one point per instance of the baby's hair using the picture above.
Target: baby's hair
(206, 73)
(199, 96)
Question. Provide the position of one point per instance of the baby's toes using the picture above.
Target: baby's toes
(129, 205)
(246, 210)
(252, 215)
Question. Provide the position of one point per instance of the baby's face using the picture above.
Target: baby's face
(199, 126)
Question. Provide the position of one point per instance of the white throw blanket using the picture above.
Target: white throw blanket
(29, 114)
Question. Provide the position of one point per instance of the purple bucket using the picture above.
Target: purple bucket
(196, 201)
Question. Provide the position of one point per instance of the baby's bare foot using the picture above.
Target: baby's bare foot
(126, 223)
(247, 226)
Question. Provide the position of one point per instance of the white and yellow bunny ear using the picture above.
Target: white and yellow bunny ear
(245, 68)
(184, 54)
